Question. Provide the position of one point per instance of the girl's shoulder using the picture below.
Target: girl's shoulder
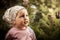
(12, 30)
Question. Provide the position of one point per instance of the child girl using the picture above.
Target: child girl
(17, 17)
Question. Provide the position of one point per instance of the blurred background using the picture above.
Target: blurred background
(44, 17)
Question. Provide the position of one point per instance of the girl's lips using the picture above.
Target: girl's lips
(26, 22)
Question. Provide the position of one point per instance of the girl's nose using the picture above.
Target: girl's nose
(25, 18)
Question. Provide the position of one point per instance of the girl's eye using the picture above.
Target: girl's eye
(21, 16)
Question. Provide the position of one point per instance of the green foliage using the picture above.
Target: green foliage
(45, 24)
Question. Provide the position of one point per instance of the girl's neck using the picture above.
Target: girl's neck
(21, 28)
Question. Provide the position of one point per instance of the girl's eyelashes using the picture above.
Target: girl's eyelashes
(21, 16)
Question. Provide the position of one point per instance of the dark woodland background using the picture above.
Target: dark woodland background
(44, 18)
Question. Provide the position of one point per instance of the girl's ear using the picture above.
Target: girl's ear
(13, 23)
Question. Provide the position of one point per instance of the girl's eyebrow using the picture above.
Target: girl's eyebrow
(21, 12)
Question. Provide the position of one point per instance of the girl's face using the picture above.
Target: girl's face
(22, 18)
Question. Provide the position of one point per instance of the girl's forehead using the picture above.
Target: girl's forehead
(23, 11)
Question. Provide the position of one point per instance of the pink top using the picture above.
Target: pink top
(16, 34)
